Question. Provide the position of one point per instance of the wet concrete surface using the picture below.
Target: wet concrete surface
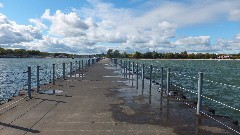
(139, 107)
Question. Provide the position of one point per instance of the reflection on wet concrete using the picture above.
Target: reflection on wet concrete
(50, 91)
(198, 123)
(141, 107)
(149, 99)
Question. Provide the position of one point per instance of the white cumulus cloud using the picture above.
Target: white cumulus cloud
(200, 40)
(228, 45)
(11, 32)
(38, 23)
(66, 25)
(152, 26)
(193, 44)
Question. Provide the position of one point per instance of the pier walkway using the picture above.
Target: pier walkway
(98, 103)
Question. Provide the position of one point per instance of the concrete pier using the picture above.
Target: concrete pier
(98, 103)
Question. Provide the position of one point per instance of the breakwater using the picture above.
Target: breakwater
(101, 100)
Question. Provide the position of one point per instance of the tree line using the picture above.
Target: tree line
(155, 55)
(22, 53)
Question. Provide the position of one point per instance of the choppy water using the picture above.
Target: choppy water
(221, 81)
(13, 79)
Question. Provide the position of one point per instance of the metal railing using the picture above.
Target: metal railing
(173, 77)
(18, 82)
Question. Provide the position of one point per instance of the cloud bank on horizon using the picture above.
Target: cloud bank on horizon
(134, 25)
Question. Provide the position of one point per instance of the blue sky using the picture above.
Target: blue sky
(94, 26)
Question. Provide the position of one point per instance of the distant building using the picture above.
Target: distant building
(225, 57)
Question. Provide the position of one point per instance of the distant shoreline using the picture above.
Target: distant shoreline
(192, 59)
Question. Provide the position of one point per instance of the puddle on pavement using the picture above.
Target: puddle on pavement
(110, 76)
(110, 66)
(50, 91)
(76, 75)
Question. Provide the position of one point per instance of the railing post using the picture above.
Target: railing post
(137, 75)
(161, 69)
(121, 65)
(161, 92)
(150, 85)
(124, 69)
(129, 68)
(82, 65)
(168, 81)
(79, 65)
(75, 68)
(70, 69)
(29, 82)
(143, 76)
(200, 86)
(132, 72)
(38, 81)
(53, 74)
(133, 66)
(63, 71)
(132, 69)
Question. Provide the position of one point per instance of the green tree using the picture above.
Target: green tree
(148, 55)
(192, 56)
(33, 52)
(155, 55)
(213, 56)
(184, 55)
(2, 51)
(207, 56)
(116, 54)
(137, 55)
(177, 56)
(9, 51)
(169, 56)
(109, 53)
(161, 55)
(20, 51)
(125, 55)
(199, 56)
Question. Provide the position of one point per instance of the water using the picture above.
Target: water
(13, 79)
(221, 81)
